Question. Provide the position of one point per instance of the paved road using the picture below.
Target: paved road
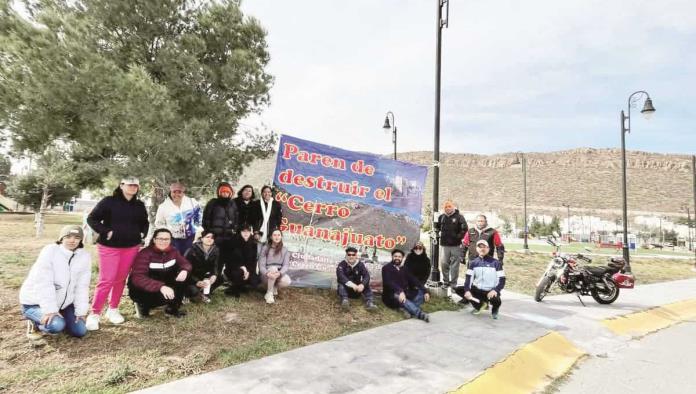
(662, 362)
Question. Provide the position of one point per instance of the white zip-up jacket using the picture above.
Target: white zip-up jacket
(181, 221)
(58, 278)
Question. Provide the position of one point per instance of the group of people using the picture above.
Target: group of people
(240, 245)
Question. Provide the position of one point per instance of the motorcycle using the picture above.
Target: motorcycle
(602, 283)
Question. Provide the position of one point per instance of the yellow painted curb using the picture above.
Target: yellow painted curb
(645, 322)
(528, 369)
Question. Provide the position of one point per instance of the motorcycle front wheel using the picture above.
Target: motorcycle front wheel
(608, 295)
(543, 288)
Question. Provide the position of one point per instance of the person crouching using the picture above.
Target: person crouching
(159, 276)
(485, 279)
(203, 256)
(401, 289)
(353, 281)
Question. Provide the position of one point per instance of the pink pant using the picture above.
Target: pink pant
(114, 266)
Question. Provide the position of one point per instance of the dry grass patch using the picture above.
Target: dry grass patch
(142, 353)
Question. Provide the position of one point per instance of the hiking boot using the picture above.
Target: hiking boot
(92, 322)
(407, 314)
(494, 315)
(476, 312)
(114, 316)
(269, 298)
(141, 311)
(345, 305)
(33, 333)
(176, 312)
(370, 306)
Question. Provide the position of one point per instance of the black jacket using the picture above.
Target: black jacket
(244, 254)
(418, 265)
(202, 266)
(452, 228)
(394, 281)
(357, 274)
(221, 218)
(127, 219)
(273, 220)
(248, 212)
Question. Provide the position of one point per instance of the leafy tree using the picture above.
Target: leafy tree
(155, 89)
(507, 226)
(5, 167)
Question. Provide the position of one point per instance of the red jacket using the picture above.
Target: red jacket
(152, 266)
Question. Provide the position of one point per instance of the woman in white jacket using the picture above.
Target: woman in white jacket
(181, 215)
(55, 295)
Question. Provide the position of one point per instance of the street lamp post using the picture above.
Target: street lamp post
(568, 221)
(523, 163)
(388, 127)
(647, 112)
(693, 171)
(440, 24)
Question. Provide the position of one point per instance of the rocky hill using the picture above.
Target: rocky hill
(587, 179)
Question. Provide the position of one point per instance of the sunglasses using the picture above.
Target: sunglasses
(418, 248)
(351, 254)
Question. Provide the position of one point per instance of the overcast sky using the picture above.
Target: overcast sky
(535, 75)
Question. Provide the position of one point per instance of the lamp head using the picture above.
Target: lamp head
(387, 126)
(648, 109)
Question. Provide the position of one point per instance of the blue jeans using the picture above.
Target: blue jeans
(58, 324)
(412, 305)
(182, 244)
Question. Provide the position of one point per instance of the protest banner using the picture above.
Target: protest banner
(334, 198)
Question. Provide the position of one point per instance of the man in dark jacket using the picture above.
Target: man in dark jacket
(488, 234)
(220, 217)
(452, 227)
(401, 289)
(354, 280)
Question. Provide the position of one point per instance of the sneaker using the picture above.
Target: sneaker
(476, 312)
(185, 301)
(269, 298)
(206, 299)
(494, 315)
(370, 306)
(141, 311)
(176, 312)
(345, 305)
(445, 285)
(407, 314)
(484, 306)
(424, 316)
(92, 322)
(32, 332)
(114, 316)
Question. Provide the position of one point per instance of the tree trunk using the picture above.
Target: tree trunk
(39, 217)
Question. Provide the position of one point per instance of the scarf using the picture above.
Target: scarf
(266, 211)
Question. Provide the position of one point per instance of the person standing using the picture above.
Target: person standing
(485, 279)
(274, 262)
(159, 276)
(488, 234)
(268, 216)
(55, 295)
(354, 281)
(121, 222)
(221, 218)
(401, 289)
(181, 215)
(247, 206)
(452, 227)
(418, 263)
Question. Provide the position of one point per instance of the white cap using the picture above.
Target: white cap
(130, 181)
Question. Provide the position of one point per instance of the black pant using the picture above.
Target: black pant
(482, 296)
(226, 255)
(236, 277)
(346, 292)
(150, 300)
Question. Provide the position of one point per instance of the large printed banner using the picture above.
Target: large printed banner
(334, 198)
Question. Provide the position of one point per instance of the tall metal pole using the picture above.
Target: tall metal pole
(394, 139)
(434, 247)
(688, 226)
(524, 186)
(624, 245)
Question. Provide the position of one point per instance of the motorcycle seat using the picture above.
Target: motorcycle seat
(597, 271)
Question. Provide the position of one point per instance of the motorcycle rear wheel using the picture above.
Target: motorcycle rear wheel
(543, 288)
(607, 296)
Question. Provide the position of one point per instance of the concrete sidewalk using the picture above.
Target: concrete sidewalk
(414, 357)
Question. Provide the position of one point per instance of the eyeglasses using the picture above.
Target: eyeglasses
(418, 248)
(177, 191)
(163, 239)
(351, 254)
